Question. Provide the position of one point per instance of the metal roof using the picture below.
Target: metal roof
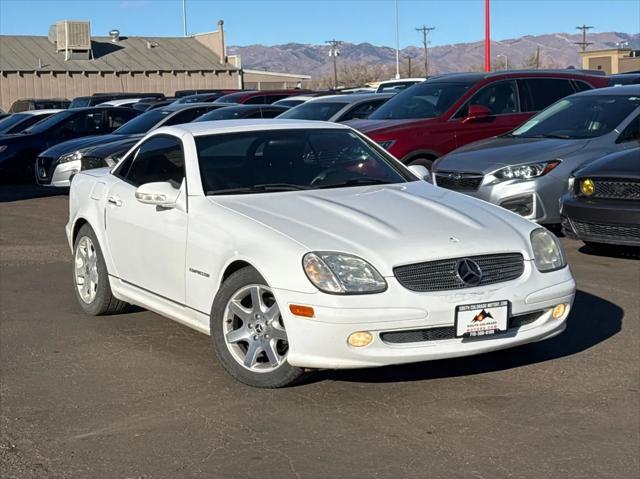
(129, 54)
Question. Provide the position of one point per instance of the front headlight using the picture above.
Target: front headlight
(386, 144)
(547, 252)
(571, 184)
(339, 273)
(527, 171)
(73, 156)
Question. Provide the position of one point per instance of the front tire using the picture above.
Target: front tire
(90, 276)
(422, 161)
(248, 333)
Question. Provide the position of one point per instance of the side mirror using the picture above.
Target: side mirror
(161, 193)
(476, 112)
(421, 172)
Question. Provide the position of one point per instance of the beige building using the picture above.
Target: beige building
(613, 60)
(265, 80)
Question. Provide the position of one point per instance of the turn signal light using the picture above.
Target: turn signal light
(360, 339)
(304, 311)
(558, 311)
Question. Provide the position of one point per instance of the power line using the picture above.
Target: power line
(334, 51)
(425, 42)
(584, 43)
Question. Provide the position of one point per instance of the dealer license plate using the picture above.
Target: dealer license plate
(482, 319)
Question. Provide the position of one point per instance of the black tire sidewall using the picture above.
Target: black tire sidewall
(100, 303)
(285, 375)
(426, 162)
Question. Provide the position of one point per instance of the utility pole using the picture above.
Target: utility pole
(584, 43)
(425, 43)
(334, 51)
(487, 36)
(409, 58)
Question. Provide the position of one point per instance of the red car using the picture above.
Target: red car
(262, 97)
(434, 117)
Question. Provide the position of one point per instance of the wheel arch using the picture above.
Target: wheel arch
(79, 223)
(430, 154)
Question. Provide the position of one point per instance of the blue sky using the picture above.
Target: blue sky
(309, 21)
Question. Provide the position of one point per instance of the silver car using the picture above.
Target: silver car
(337, 108)
(526, 171)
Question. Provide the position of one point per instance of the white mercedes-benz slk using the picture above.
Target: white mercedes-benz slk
(300, 245)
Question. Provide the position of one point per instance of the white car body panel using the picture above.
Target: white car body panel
(172, 261)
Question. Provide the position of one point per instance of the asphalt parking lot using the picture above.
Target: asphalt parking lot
(140, 396)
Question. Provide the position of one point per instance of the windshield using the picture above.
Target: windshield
(7, 123)
(585, 116)
(50, 122)
(80, 102)
(142, 123)
(314, 110)
(287, 160)
(424, 100)
(228, 113)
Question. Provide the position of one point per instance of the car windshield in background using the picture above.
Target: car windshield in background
(49, 122)
(80, 102)
(424, 100)
(142, 123)
(586, 116)
(228, 113)
(289, 160)
(314, 110)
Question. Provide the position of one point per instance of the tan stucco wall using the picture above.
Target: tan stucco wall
(14, 86)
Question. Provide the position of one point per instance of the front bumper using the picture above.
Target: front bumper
(60, 175)
(536, 200)
(601, 221)
(321, 342)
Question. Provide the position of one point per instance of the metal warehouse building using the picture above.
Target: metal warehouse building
(69, 62)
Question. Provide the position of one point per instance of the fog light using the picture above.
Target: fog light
(360, 339)
(587, 187)
(558, 311)
(304, 311)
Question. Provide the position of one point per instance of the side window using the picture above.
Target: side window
(581, 86)
(539, 93)
(500, 97)
(631, 132)
(361, 111)
(117, 118)
(256, 114)
(81, 124)
(268, 113)
(158, 159)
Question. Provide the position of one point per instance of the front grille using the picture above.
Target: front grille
(44, 169)
(442, 275)
(616, 189)
(623, 234)
(454, 180)
(447, 332)
(91, 163)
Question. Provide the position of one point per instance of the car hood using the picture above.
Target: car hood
(387, 225)
(623, 164)
(385, 126)
(487, 155)
(70, 146)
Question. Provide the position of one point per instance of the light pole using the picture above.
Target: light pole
(506, 60)
(184, 17)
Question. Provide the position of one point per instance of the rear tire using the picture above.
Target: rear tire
(90, 276)
(248, 334)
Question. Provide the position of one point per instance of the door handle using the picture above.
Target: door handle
(114, 200)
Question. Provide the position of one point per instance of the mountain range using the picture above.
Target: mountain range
(556, 50)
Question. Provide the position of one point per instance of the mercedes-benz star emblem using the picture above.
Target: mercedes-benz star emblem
(469, 272)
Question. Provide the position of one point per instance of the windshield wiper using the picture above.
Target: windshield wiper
(356, 182)
(266, 188)
(556, 135)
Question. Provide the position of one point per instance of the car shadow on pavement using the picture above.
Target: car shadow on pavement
(592, 321)
(12, 192)
(626, 252)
